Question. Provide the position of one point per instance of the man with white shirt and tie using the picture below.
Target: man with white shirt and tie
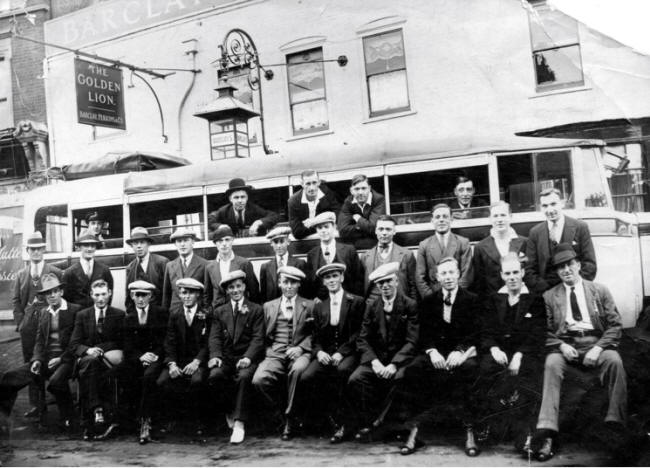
(78, 277)
(280, 242)
(146, 266)
(545, 236)
(583, 333)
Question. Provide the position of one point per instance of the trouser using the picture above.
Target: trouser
(369, 394)
(185, 390)
(94, 389)
(272, 369)
(233, 388)
(142, 391)
(28, 330)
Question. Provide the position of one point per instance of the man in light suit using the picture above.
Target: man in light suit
(359, 213)
(78, 277)
(313, 199)
(279, 238)
(443, 243)
(544, 237)
(186, 265)
(288, 321)
(146, 266)
(583, 333)
(387, 251)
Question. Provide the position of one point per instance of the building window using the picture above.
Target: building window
(307, 91)
(556, 49)
(386, 73)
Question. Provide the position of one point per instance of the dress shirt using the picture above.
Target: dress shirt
(185, 261)
(224, 264)
(585, 323)
(288, 314)
(63, 306)
(36, 269)
(97, 313)
(368, 202)
(446, 311)
(87, 266)
(559, 226)
(388, 303)
(281, 260)
(144, 262)
(503, 244)
(443, 239)
(142, 315)
(386, 254)
(335, 307)
(512, 300)
(237, 305)
(331, 249)
(311, 205)
(190, 313)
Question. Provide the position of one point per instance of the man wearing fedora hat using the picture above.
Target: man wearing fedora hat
(78, 277)
(279, 239)
(583, 333)
(146, 266)
(243, 216)
(26, 305)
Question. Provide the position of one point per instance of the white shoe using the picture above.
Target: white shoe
(230, 421)
(238, 433)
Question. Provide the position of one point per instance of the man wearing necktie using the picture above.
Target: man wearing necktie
(280, 242)
(584, 330)
(146, 266)
(465, 205)
(78, 277)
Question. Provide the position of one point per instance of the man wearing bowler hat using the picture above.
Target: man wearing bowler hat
(78, 277)
(243, 216)
(146, 266)
(279, 239)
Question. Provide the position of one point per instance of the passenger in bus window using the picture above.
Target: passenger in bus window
(95, 223)
(359, 213)
(544, 237)
(443, 243)
(279, 238)
(145, 266)
(243, 216)
(313, 199)
(78, 277)
(466, 205)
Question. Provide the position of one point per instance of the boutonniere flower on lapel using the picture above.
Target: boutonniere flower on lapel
(200, 315)
(243, 310)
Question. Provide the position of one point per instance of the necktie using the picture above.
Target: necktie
(280, 261)
(183, 265)
(575, 309)
(448, 298)
(188, 317)
(326, 254)
(100, 321)
(240, 219)
(139, 269)
(85, 268)
(143, 317)
(554, 233)
(236, 310)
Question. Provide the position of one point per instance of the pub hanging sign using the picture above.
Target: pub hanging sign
(100, 97)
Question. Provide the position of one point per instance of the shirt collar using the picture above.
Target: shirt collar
(63, 306)
(192, 309)
(389, 301)
(188, 259)
(444, 236)
(304, 200)
(146, 309)
(454, 292)
(331, 243)
(145, 259)
(512, 234)
(234, 303)
(559, 223)
(368, 201)
(291, 302)
(229, 259)
(504, 290)
(338, 295)
(578, 285)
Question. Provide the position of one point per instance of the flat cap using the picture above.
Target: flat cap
(325, 269)
(291, 272)
(387, 270)
(142, 286)
(189, 283)
(181, 233)
(232, 276)
(280, 231)
(324, 217)
(88, 239)
(223, 230)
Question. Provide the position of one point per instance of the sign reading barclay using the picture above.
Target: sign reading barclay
(100, 98)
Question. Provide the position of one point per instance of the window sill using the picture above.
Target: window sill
(310, 135)
(396, 115)
(560, 91)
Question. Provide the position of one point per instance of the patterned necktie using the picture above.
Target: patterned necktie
(280, 261)
(575, 308)
(183, 265)
(100, 321)
(143, 317)
(188, 317)
(235, 311)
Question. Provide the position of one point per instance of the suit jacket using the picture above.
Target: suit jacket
(486, 263)
(457, 212)
(66, 326)
(302, 323)
(155, 275)
(362, 232)
(234, 338)
(269, 288)
(461, 333)
(176, 349)
(253, 212)
(173, 271)
(430, 252)
(85, 334)
(24, 291)
(299, 211)
(395, 343)
(540, 275)
(406, 273)
(140, 339)
(215, 295)
(345, 253)
(601, 308)
(344, 340)
(76, 288)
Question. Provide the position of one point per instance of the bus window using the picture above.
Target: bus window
(162, 217)
(107, 220)
(413, 195)
(523, 176)
(52, 222)
(594, 189)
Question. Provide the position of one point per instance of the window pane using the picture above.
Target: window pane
(111, 230)
(388, 92)
(552, 28)
(590, 175)
(162, 217)
(52, 222)
(384, 52)
(306, 80)
(310, 116)
(558, 66)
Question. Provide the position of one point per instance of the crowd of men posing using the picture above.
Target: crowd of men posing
(345, 335)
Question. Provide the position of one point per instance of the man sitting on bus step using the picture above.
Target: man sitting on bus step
(330, 251)
(545, 236)
(311, 200)
(146, 266)
(279, 238)
(359, 213)
(186, 265)
(78, 277)
(466, 205)
(443, 243)
(583, 333)
(225, 262)
(387, 251)
(244, 217)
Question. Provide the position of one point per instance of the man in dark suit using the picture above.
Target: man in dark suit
(544, 237)
(337, 322)
(97, 342)
(583, 333)
(465, 205)
(446, 367)
(78, 277)
(186, 353)
(225, 262)
(146, 266)
(279, 238)
(244, 217)
(313, 199)
(288, 322)
(236, 347)
(145, 326)
(443, 243)
(359, 213)
(26, 304)
(387, 343)
(186, 265)
(330, 251)
(387, 251)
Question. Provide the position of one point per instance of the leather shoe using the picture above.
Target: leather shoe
(99, 416)
(88, 434)
(339, 436)
(411, 442)
(471, 448)
(363, 435)
(287, 431)
(145, 431)
(32, 413)
(546, 451)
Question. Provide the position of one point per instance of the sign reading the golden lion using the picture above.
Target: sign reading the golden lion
(100, 99)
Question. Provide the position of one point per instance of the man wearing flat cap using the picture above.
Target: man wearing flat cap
(337, 322)
(145, 327)
(236, 346)
(583, 333)
(78, 277)
(186, 265)
(288, 322)
(146, 266)
(279, 239)
(244, 217)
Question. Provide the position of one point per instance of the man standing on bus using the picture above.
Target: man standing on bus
(279, 238)
(544, 238)
(145, 266)
(78, 277)
(359, 213)
(304, 205)
(465, 205)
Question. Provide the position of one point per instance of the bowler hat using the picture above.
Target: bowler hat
(49, 281)
(35, 240)
(231, 276)
(563, 253)
(223, 230)
(237, 184)
(139, 233)
(88, 239)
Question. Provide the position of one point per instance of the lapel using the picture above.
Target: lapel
(560, 311)
(590, 299)
(228, 319)
(503, 306)
(524, 305)
(544, 252)
(395, 317)
(381, 319)
(274, 311)
(194, 264)
(240, 324)
(436, 251)
(345, 306)
(90, 325)
(491, 250)
(452, 244)
(569, 231)
(273, 272)
(396, 254)
(300, 307)
(48, 321)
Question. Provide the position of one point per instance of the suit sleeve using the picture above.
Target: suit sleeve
(202, 355)
(411, 289)
(130, 351)
(407, 352)
(533, 278)
(170, 341)
(472, 322)
(478, 265)
(130, 277)
(346, 225)
(367, 226)
(167, 289)
(255, 350)
(267, 217)
(215, 340)
(368, 328)
(252, 286)
(356, 273)
(19, 311)
(213, 220)
(208, 291)
(610, 319)
(298, 229)
(264, 294)
(588, 266)
(490, 324)
(68, 285)
(422, 272)
(76, 341)
(305, 343)
(316, 344)
(466, 272)
(355, 318)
